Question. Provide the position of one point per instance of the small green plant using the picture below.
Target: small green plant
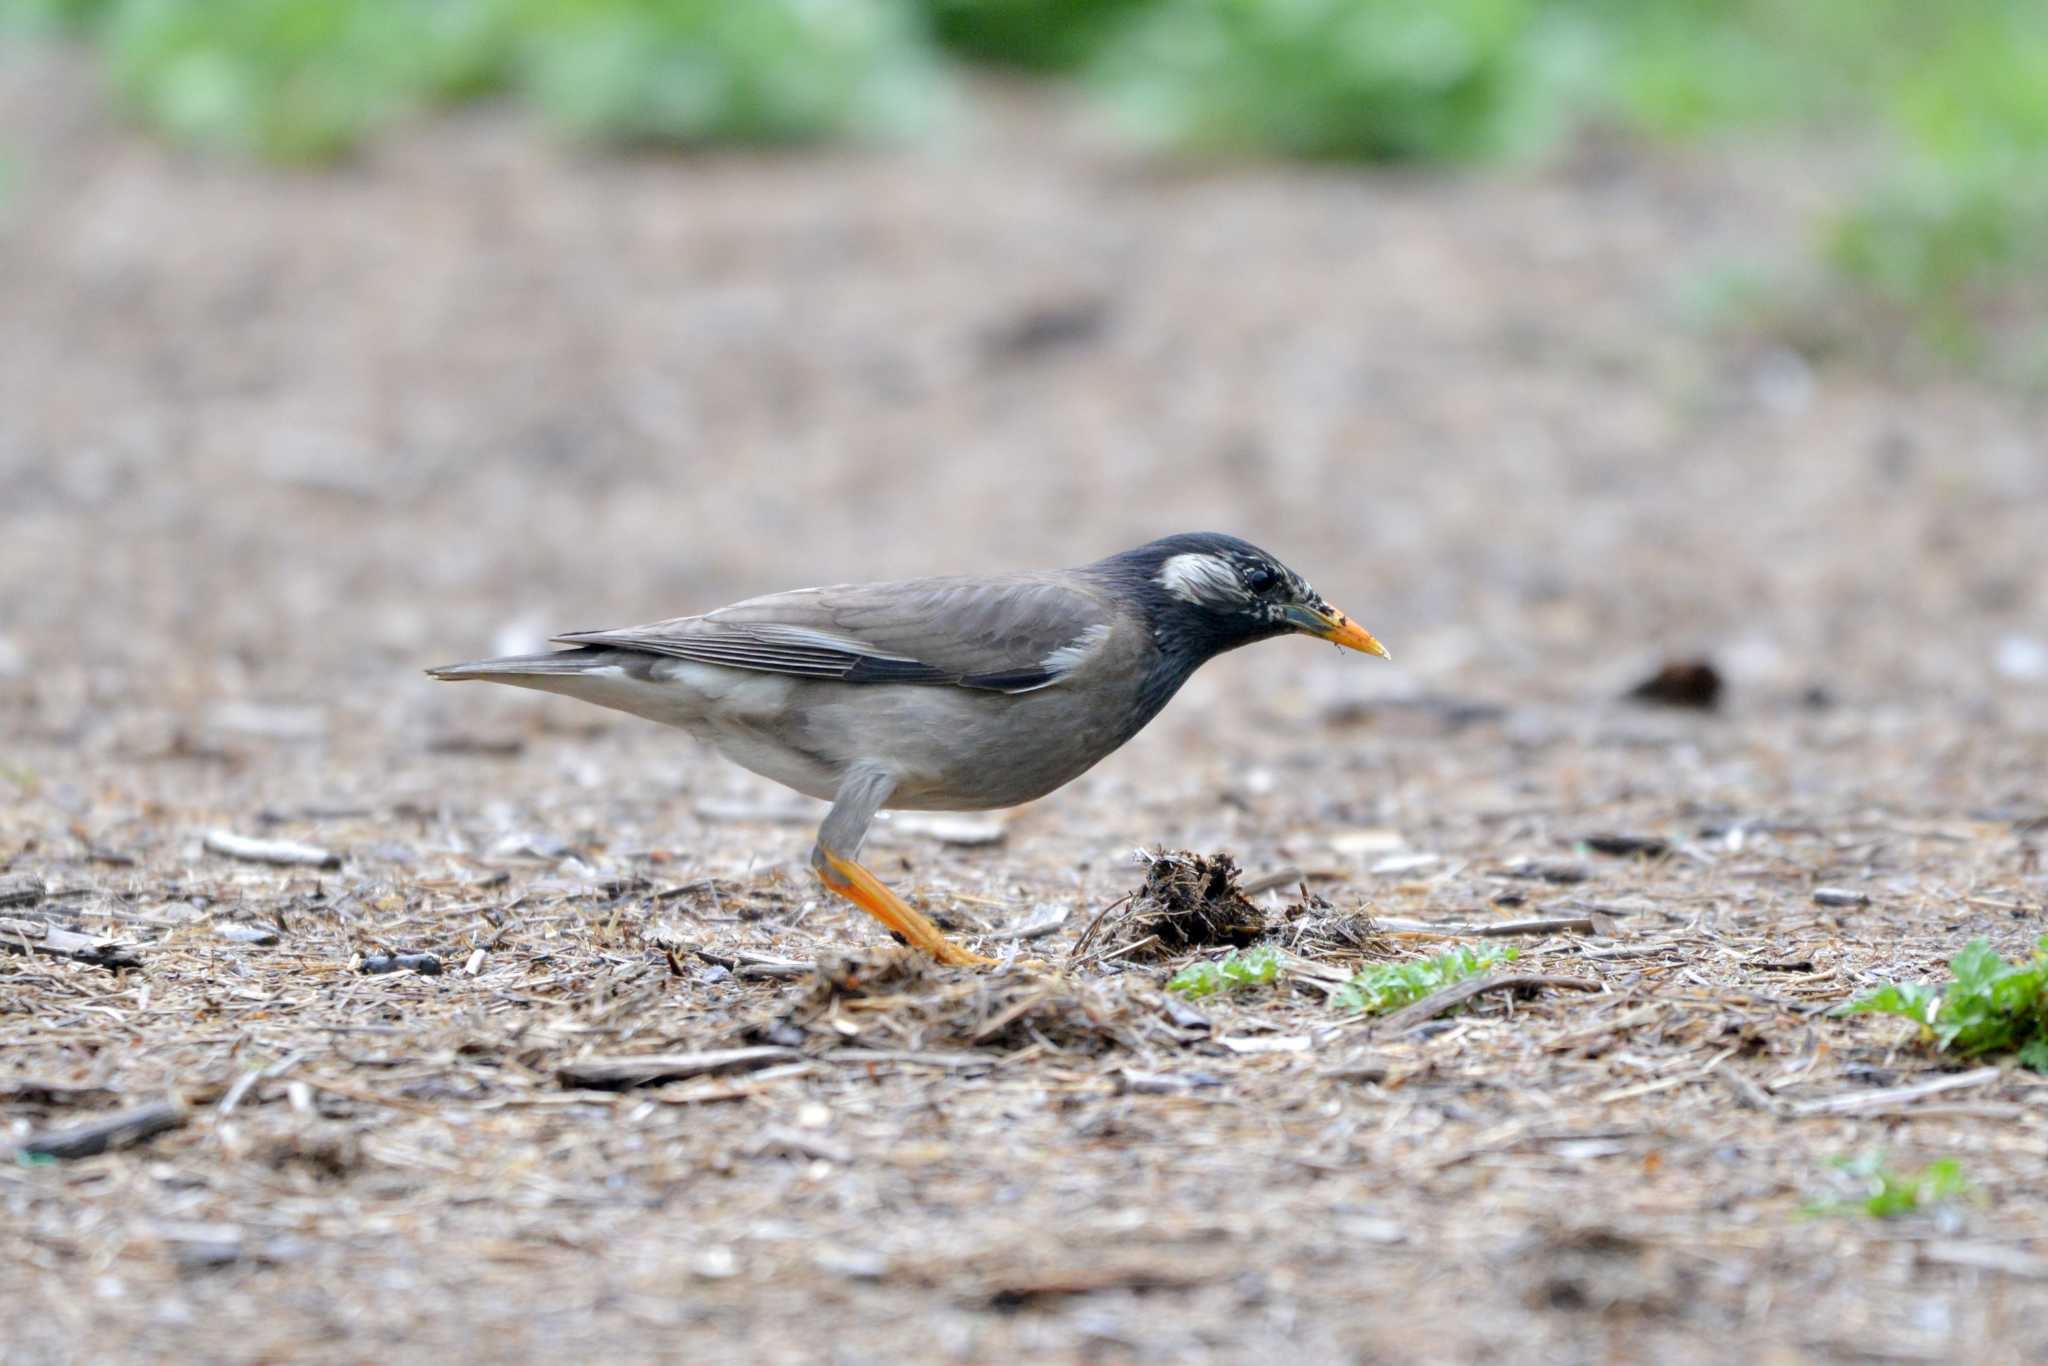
(1389, 986)
(1883, 1193)
(1987, 1006)
(1256, 968)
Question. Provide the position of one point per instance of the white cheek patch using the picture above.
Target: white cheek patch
(1199, 578)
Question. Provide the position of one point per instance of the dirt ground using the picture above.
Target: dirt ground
(270, 444)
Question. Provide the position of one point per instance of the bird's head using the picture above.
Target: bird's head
(1209, 592)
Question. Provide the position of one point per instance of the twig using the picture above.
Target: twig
(1451, 997)
(1549, 924)
(1088, 934)
(1035, 929)
(1860, 1102)
(115, 1131)
(617, 1074)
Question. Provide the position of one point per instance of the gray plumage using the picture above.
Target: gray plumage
(943, 693)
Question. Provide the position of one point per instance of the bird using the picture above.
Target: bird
(958, 693)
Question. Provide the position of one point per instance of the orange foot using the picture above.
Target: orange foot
(866, 891)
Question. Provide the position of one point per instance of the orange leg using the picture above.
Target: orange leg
(866, 891)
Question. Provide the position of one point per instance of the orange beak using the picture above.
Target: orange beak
(1327, 623)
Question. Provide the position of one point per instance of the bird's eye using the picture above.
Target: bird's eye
(1258, 578)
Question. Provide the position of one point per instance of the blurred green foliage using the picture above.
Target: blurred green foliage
(293, 80)
(1871, 1187)
(1038, 35)
(1962, 214)
(307, 80)
(1948, 100)
(712, 70)
(1379, 79)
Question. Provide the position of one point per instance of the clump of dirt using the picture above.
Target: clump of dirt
(1693, 683)
(896, 1000)
(1188, 901)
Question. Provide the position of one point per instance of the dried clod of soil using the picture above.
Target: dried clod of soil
(1188, 901)
(1694, 683)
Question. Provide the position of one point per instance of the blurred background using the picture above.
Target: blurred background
(1551, 338)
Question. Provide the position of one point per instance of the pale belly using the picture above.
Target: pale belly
(949, 749)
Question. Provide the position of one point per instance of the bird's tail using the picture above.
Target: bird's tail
(512, 668)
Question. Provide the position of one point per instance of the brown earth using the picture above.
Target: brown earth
(272, 443)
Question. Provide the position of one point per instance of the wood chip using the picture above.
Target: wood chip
(20, 889)
(122, 1130)
(33, 936)
(284, 853)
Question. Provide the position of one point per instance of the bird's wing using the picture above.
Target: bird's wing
(1011, 634)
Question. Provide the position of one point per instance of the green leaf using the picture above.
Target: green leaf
(1386, 987)
(1915, 1001)
(1976, 965)
(1259, 967)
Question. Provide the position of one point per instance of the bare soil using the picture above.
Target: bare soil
(270, 444)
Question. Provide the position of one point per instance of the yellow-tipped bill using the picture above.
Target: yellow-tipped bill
(1333, 626)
